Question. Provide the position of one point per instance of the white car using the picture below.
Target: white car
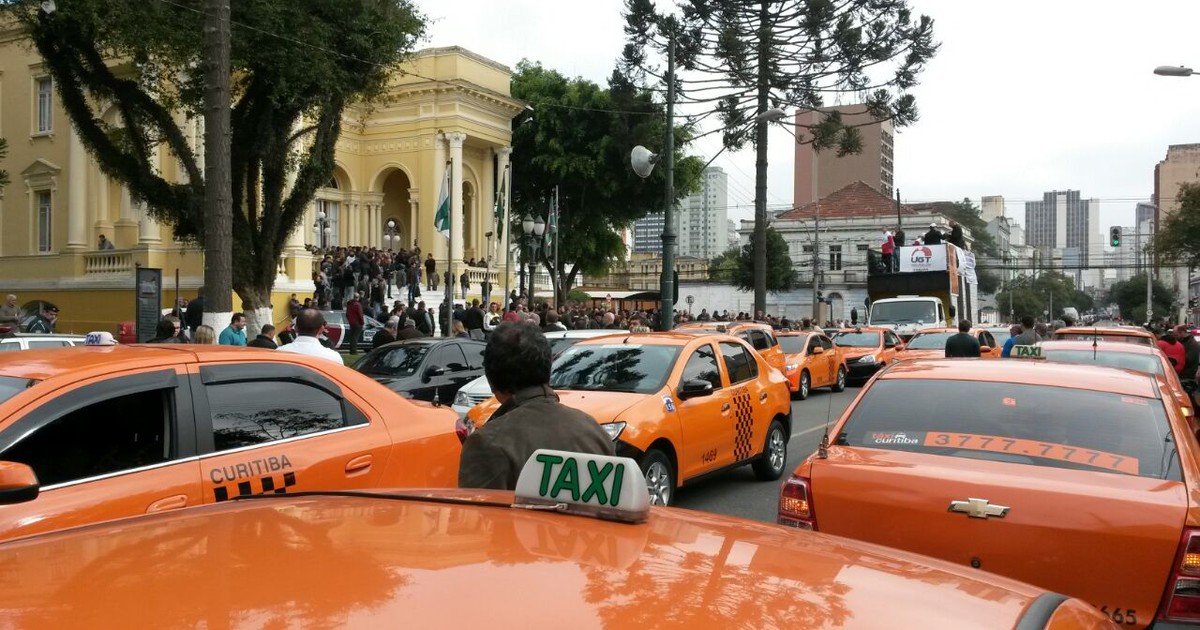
(25, 341)
(478, 390)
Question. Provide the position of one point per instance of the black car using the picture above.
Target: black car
(425, 368)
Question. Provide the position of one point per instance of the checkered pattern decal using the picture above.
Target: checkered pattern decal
(246, 488)
(743, 428)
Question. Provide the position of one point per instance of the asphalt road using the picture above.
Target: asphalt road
(739, 493)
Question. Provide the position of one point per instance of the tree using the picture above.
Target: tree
(1033, 296)
(1130, 296)
(750, 57)
(578, 140)
(737, 267)
(1176, 237)
(295, 69)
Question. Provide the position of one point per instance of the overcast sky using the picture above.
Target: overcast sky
(1024, 96)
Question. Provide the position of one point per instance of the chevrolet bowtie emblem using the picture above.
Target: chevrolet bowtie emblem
(978, 508)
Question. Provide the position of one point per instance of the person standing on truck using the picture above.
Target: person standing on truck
(887, 247)
(956, 235)
(933, 236)
(898, 239)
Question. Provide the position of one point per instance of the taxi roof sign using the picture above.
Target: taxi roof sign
(601, 486)
(1027, 352)
(100, 338)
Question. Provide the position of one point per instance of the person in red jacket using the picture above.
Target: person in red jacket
(887, 248)
(354, 317)
(1174, 350)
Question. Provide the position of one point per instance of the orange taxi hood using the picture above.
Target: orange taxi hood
(908, 355)
(266, 562)
(1028, 372)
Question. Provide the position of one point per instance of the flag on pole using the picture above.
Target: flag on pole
(441, 220)
(552, 226)
(498, 213)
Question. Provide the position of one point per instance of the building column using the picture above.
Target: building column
(414, 215)
(148, 228)
(77, 237)
(431, 241)
(456, 201)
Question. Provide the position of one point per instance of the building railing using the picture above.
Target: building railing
(108, 262)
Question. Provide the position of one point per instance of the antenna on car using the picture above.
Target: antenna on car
(823, 447)
(1095, 339)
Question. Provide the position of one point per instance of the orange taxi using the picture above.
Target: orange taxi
(121, 430)
(761, 337)
(683, 405)
(867, 350)
(1079, 481)
(602, 558)
(1129, 334)
(930, 343)
(812, 361)
(1128, 356)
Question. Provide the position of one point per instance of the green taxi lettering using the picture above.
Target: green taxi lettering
(568, 479)
(1028, 351)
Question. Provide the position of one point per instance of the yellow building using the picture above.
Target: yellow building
(448, 105)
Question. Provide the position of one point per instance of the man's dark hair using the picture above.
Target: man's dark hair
(517, 356)
(267, 330)
(551, 317)
(236, 316)
(1027, 322)
(309, 322)
(165, 329)
(964, 325)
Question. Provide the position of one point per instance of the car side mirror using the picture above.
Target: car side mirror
(18, 483)
(818, 350)
(984, 349)
(434, 370)
(694, 388)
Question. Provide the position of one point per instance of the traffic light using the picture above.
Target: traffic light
(1114, 236)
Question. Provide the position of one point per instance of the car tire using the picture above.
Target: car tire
(840, 384)
(805, 386)
(770, 466)
(660, 477)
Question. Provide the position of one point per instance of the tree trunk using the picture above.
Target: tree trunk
(760, 164)
(218, 197)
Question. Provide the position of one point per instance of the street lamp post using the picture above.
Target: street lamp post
(323, 230)
(533, 234)
(391, 237)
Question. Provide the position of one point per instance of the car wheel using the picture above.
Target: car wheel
(805, 384)
(660, 478)
(770, 466)
(840, 384)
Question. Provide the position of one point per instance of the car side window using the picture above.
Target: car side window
(826, 343)
(108, 436)
(738, 362)
(703, 365)
(255, 412)
(9, 345)
(47, 343)
(759, 340)
(988, 340)
(448, 356)
(813, 343)
(889, 340)
(474, 352)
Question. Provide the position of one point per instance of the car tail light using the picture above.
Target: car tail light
(463, 427)
(795, 504)
(1181, 601)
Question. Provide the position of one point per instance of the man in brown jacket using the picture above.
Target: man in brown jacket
(517, 365)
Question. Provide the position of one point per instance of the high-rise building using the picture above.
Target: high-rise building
(702, 228)
(991, 207)
(821, 173)
(647, 234)
(733, 234)
(1060, 220)
(1144, 212)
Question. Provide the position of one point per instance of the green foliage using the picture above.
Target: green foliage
(1176, 238)
(737, 267)
(1130, 296)
(1031, 296)
(579, 139)
(294, 65)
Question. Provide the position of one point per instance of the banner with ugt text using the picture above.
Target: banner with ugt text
(923, 258)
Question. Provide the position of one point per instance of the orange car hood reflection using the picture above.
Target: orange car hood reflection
(603, 406)
(371, 562)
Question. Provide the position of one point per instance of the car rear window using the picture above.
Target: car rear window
(615, 367)
(1037, 425)
(11, 386)
(394, 361)
(929, 341)
(857, 339)
(793, 345)
(1147, 363)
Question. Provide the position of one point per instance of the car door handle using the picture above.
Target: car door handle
(762, 397)
(359, 465)
(724, 407)
(170, 503)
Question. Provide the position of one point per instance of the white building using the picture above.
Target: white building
(703, 217)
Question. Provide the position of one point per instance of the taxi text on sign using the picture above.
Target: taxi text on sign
(923, 258)
(593, 485)
(1027, 352)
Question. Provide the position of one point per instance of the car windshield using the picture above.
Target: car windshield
(1147, 363)
(929, 341)
(11, 386)
(616, 367)
(901, 312)
(1036, 425)
(857, 339)
(398, 360)
(793, 344)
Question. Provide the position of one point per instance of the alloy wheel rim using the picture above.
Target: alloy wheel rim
(777, 450)
(804, 385)
(841, 377)
(658, 482)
